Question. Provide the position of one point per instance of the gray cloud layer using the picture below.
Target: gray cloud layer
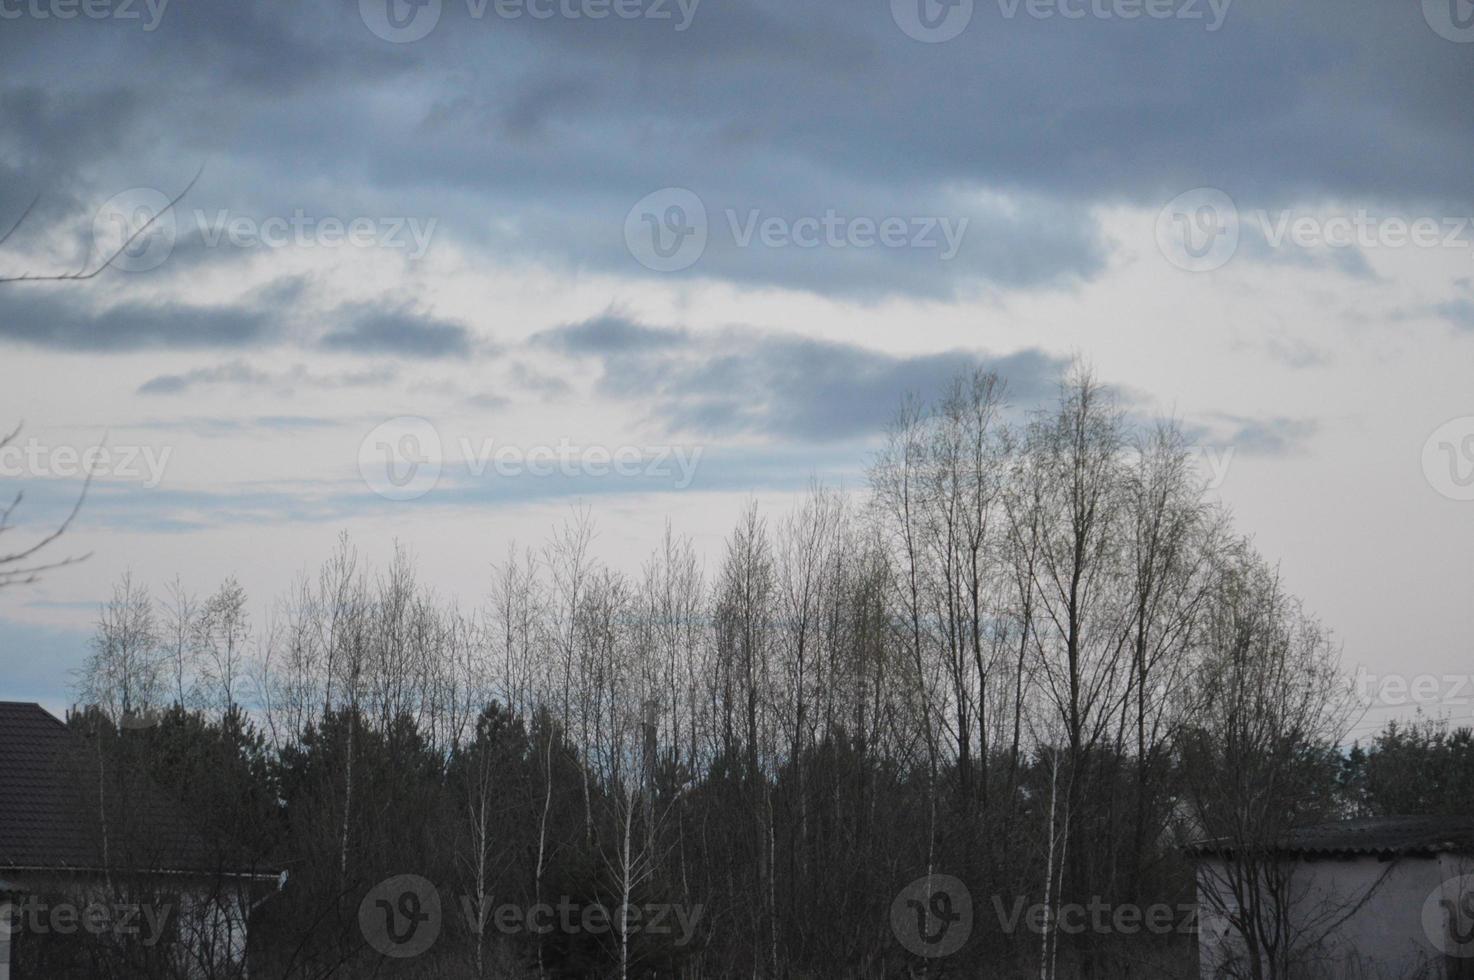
(782, 385)
(241, 374)
(65, 316)
(534, 137)
(61, 316)
(399, 331)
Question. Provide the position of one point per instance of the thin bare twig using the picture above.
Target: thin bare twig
(84, 273)
(29, 574)
(21, 220)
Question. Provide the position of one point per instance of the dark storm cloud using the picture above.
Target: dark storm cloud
(533, 138)
(747, 381)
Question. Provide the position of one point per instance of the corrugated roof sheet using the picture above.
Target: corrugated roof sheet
(1380, 836)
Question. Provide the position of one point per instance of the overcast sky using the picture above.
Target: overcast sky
(703, 249)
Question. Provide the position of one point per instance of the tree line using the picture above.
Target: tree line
(1034, 655)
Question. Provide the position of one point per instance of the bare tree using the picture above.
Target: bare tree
(806, 539)
(897, 479)
(745, 594)
(571, 568)
(515, 625)
(1075, 463)
(223, 630)
(1271, 704)
(1170, 536)
(181, 642)
(484, 803)
(626, 753)
(125, 675)
(343, 619)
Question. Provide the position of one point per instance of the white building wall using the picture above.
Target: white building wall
(1368, 918)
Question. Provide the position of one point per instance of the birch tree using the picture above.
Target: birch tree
(125, 675)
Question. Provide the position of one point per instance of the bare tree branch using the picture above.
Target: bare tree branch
(15, 567)
(21, 220)
(84, 273)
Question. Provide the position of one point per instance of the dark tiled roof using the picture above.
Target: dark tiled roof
(1381, 836)
(66, 806)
